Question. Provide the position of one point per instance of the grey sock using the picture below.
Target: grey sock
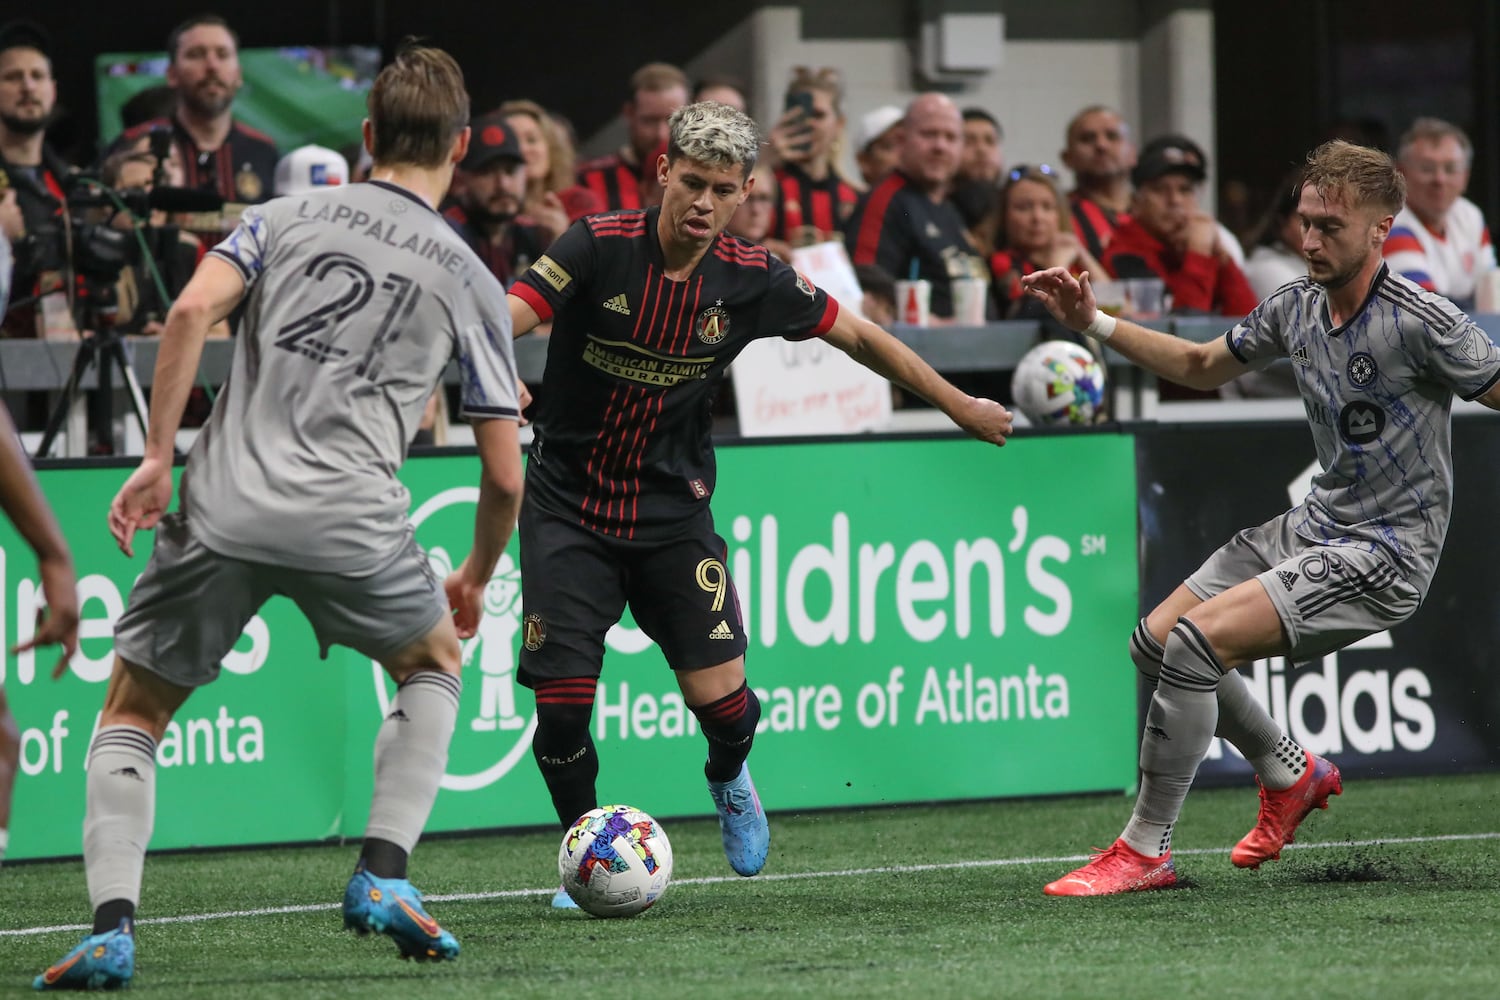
(1179, 725)
(411, 754)
(1276, 757)
(120, 806)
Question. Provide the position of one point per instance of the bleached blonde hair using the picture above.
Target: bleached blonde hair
(715, 134)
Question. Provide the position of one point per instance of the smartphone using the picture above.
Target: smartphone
(801, 101)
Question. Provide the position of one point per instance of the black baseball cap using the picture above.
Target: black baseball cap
(1169, 154)
(491, 139)
(25, 34)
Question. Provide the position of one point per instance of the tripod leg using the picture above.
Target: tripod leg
(86, 356)
(133, 386)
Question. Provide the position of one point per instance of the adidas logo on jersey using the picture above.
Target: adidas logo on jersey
(1288, 579)
(1299, 357)
(618, 304)
(721, 631)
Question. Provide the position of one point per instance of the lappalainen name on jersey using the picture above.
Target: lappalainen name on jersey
(548, 270)
(624, 360)
(387, 232)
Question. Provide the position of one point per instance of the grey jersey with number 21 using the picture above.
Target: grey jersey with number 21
(1378, 393)
(357, 297)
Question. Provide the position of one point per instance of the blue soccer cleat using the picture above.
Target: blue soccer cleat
(101, 962)
(742, 822)
(391, 906)
(562, 901)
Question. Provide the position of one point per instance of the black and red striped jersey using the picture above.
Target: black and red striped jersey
(634, 362)
(241, 170)
(1093, 224)
(614, 180)
(824, 205)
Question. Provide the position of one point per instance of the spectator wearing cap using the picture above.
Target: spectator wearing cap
(219, 153)
(813, 203)
(626, 177)
(553, 200)
(1169, 237)
(32, 175)
(310, 168)
(1439, 240)
(907, 224)
(879, 144)
(489, 192)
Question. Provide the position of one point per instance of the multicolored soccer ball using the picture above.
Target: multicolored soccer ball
(1058, 383)
(615, 861)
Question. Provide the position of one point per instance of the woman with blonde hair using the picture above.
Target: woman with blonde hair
(812, 201)
(553, 198)
(1033, 231)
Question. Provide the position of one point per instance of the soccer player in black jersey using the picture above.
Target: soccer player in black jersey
(648, 308)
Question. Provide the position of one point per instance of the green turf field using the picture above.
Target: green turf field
(1392, 893)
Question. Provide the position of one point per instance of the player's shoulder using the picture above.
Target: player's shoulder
(625, 223)
(1412, 304)
(740, 253)
(1290, 293)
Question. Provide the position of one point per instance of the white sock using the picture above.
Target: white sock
(1282, 766)
(120, 807)
(411, 754)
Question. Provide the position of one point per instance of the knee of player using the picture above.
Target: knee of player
(1145, 650)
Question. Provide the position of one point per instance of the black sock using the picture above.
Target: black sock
(382, 858)
(564, 747)
(108, 916)
(729, 725)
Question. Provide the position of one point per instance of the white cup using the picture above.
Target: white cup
(914, 302)
(969, 296)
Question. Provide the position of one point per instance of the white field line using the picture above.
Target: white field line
(453, 897)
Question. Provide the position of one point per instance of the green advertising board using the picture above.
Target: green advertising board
(928, 620)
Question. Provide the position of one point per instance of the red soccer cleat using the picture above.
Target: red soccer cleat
(1119, 869)
(1282, 811)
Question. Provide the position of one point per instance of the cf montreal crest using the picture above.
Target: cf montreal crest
(1362, 370)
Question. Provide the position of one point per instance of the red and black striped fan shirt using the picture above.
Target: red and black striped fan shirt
(634, 362)
(824, 205)
(615, 181)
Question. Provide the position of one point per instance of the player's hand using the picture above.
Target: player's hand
(57, 623)
(1069, 299)
(466, 598)
(985, 419)
(141, 502)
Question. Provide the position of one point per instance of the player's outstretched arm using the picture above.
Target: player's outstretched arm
(22, 499)
(215, 289)
(883, 354)
(1071, 300)
(523, 318)
(499, 502)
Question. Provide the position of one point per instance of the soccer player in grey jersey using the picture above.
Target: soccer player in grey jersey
(1378, 361)
(355, 300)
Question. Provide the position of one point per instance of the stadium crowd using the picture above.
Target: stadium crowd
(934, 199)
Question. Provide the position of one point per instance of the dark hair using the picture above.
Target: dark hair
(198, 21)
(145, 105)
(417, 106)
(1282, 207)
(707, 82)
(981, 115)
(877, 281)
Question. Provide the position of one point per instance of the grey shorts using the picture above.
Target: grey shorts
(189, 607)
(1326, 595)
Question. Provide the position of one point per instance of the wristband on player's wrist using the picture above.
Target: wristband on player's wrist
(1101, 327)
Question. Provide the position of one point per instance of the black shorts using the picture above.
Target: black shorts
(576, 583)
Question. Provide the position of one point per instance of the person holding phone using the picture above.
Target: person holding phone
(812, 201)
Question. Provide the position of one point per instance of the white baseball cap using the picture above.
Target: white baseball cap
(308, 168)
(874, 124)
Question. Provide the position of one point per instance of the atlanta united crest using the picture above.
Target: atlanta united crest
(712, 325)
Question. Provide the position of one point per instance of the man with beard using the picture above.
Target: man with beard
(626, 178)
(218, 153)
(1099, 152)
(489, 189)
(1378, 360)
(32, 175)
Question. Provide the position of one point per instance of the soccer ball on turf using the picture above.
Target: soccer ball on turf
(615, 861)
(1059, 383)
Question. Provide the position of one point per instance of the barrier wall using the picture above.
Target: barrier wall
(928, 619)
